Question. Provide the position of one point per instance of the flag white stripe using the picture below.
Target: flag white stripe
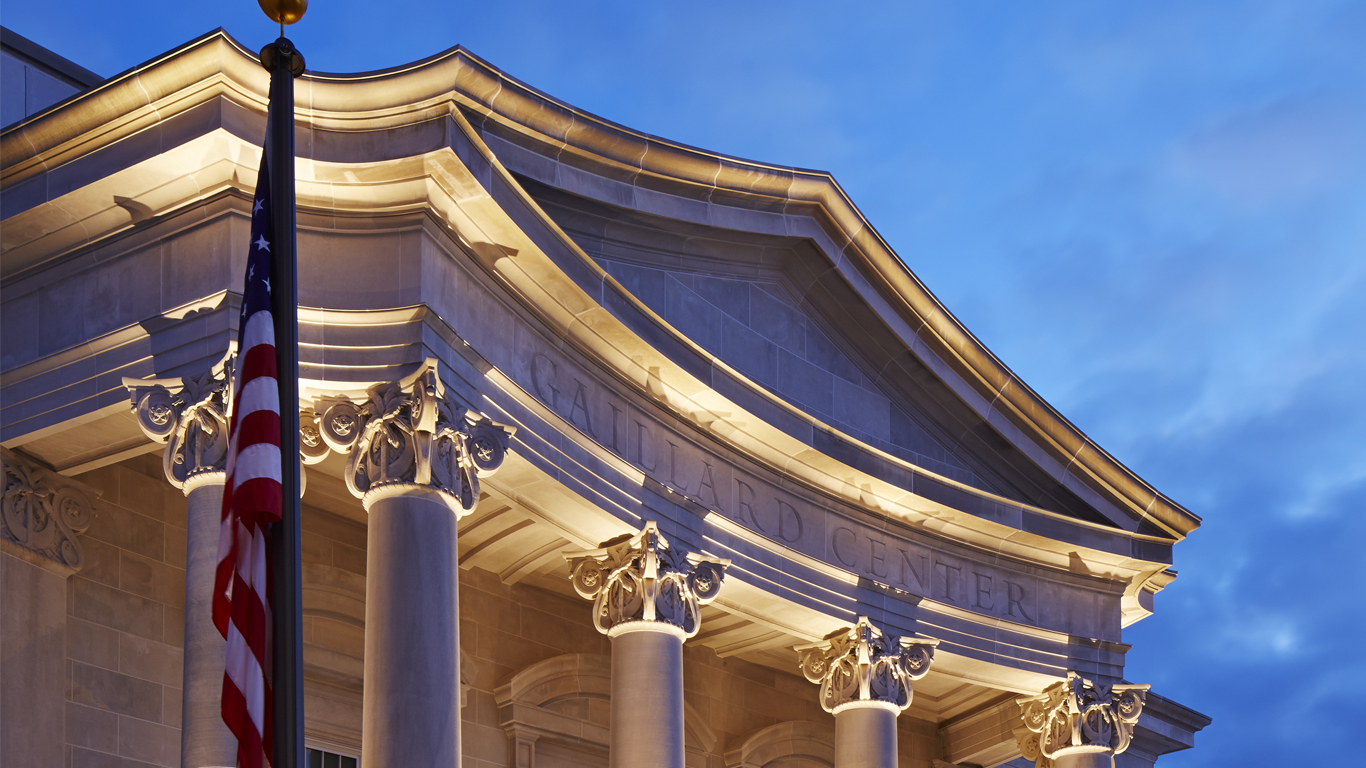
(246, 674)
(259, 329)
(260, 394)
(259, 460)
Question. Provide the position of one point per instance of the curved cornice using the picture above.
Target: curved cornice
(148, 94)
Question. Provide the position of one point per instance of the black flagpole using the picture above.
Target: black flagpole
(286, 600)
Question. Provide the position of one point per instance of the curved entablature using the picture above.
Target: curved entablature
(523, 120)
(631, 415)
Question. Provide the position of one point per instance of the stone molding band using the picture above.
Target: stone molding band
(1076, 716)
(41, 513)
(863, 667)
(637, 579)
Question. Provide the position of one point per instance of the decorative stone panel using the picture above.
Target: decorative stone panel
(42, 513)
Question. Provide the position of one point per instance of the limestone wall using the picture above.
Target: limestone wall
(125, 622)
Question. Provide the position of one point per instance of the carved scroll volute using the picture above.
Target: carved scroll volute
(637, 577)
(412, 433)
(312, 448)
(190, 415)
(863, 664)
(1077, 715)
(41, 512)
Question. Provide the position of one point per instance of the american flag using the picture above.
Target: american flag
(251, 501)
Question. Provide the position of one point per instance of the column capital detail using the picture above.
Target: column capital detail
(42, 513)
(637, 582)
(862, 666)
(408, 434)
(1075, 716)
(189, 414)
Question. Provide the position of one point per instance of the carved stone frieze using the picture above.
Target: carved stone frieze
(411, 433)
(863, 664)
(42, 512)
(1076, 715)
(190, 415)
(638, 577)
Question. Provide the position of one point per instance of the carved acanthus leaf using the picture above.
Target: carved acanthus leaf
(411, 432)
(637, 577)
(42, 512)
(863, 664)
(1078, 715)
(190, 415)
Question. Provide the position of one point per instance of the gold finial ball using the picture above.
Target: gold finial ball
(284, 11)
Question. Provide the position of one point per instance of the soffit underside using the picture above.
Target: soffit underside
(507, 538)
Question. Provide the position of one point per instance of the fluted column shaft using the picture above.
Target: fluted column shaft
(412, 631)
(647, 696)
(205, 741)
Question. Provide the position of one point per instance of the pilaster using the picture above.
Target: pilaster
(41, 515)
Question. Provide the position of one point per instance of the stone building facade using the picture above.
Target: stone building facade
(720, 483)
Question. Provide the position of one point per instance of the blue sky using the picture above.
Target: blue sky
(1154, 212)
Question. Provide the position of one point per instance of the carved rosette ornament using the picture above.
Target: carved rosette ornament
(190, 415)
(1076, 716)
(410, 434)
(41, 512)
(863, 666)
(638, 578)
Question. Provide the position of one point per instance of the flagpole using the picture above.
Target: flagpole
(285, 63)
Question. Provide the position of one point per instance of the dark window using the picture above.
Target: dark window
(319, 758)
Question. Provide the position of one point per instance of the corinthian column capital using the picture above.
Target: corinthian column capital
(190, 415)
(863, 666)
(42, 513)
(1077, 716)
(410, 436)
(637, 578)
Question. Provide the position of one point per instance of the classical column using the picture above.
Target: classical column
(415, 462)
(865, 677)
(1076, 723)
(189, 414)
(42, 514)
(648, 601)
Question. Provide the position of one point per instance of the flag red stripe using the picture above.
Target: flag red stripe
(260, 494)
(258, 361)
